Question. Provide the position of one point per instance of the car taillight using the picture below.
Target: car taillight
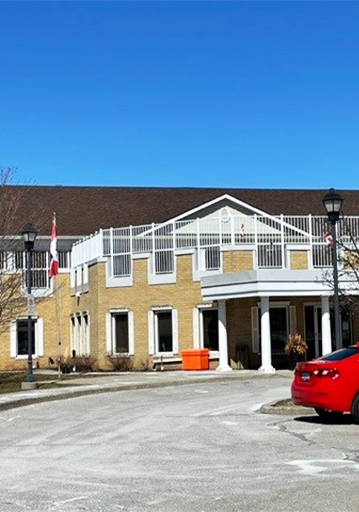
(326, 373)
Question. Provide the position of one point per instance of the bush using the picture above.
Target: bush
(84, 363)
(120, 363)
(77, 364)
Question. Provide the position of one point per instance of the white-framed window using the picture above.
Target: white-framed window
(163, 331)
(19, 338)
(164, 262)
(80, 334)
(209, 258)
(205, 327)
(120, 332)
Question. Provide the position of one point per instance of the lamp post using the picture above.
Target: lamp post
(332, 202)
(29, 233)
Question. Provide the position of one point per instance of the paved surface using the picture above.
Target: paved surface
(109, 382)
(197, 447)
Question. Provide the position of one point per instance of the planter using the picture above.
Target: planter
(295, 358)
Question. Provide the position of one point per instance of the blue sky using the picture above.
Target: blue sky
(206, 94)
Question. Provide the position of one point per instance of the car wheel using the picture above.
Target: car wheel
(355, 409)
(327, 415)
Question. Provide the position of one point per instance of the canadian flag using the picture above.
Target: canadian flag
(241, 232)
(54, 265)
(328, 239)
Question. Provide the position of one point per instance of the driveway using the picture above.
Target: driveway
(189, 448)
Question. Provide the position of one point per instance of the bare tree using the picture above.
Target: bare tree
(12, 298)
(348, 266)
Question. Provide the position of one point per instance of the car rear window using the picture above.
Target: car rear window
(341, 354)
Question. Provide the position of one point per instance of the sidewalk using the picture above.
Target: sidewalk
(110, 382)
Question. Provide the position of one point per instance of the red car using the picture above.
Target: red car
(330, 384)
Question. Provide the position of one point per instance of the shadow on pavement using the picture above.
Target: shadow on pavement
(345, 419)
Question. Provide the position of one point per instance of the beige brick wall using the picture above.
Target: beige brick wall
(299, 260)
(184, 295)
(47, 309)
(237, 261)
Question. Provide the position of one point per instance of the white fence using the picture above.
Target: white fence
(15, 261)
(270, 237)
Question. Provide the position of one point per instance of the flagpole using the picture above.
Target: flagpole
(58, 315)
(54, 271)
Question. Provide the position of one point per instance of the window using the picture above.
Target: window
(209, 258)
(164, 335)
(19, 338)
(163, 331)
(80, 334)
(120, 332)
(210, 329)
(120, 339)
(164, 262)
(22, 337)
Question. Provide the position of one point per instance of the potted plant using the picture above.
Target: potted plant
(296, 349)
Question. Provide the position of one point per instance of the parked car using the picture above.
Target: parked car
(330, 384)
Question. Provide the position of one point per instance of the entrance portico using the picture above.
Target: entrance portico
(268, 286)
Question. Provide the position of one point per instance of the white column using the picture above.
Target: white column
(326, 331)
(266, 348)
(222, 338)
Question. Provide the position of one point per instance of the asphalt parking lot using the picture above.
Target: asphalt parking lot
(197, 447)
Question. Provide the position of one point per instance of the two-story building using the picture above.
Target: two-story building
(146, 273)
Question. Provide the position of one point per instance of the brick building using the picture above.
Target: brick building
(146, 273)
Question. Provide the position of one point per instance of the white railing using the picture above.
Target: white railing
(270, 237)
(15, 261)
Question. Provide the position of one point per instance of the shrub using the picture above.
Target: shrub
(120, 363)
(84, 363)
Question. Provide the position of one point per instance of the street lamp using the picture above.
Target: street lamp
(332, 202)
(29, 233)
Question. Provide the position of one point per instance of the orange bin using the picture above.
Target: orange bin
(195, 359)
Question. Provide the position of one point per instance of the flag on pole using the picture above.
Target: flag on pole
(241, 232)
(328, 239)
(54, 265)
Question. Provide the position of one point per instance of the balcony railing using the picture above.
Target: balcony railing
(269, 237)
(15, 261)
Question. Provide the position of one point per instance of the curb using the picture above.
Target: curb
(282, 408)
(75, 392)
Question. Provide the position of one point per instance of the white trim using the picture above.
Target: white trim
(39, 337)
(234, 200)
(196, 338)
(151, 335)
(165, 278)
(218, 199)
(85, 273)
(175, 344)
(131, 333)
(214, 307)
(155, 318)
(108, 334)
(162, 308)
(13, 339)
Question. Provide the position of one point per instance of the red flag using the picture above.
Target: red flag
(54, 265)
(241, 232)
(328, 239)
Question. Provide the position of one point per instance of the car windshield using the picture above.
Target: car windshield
(341, 354)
